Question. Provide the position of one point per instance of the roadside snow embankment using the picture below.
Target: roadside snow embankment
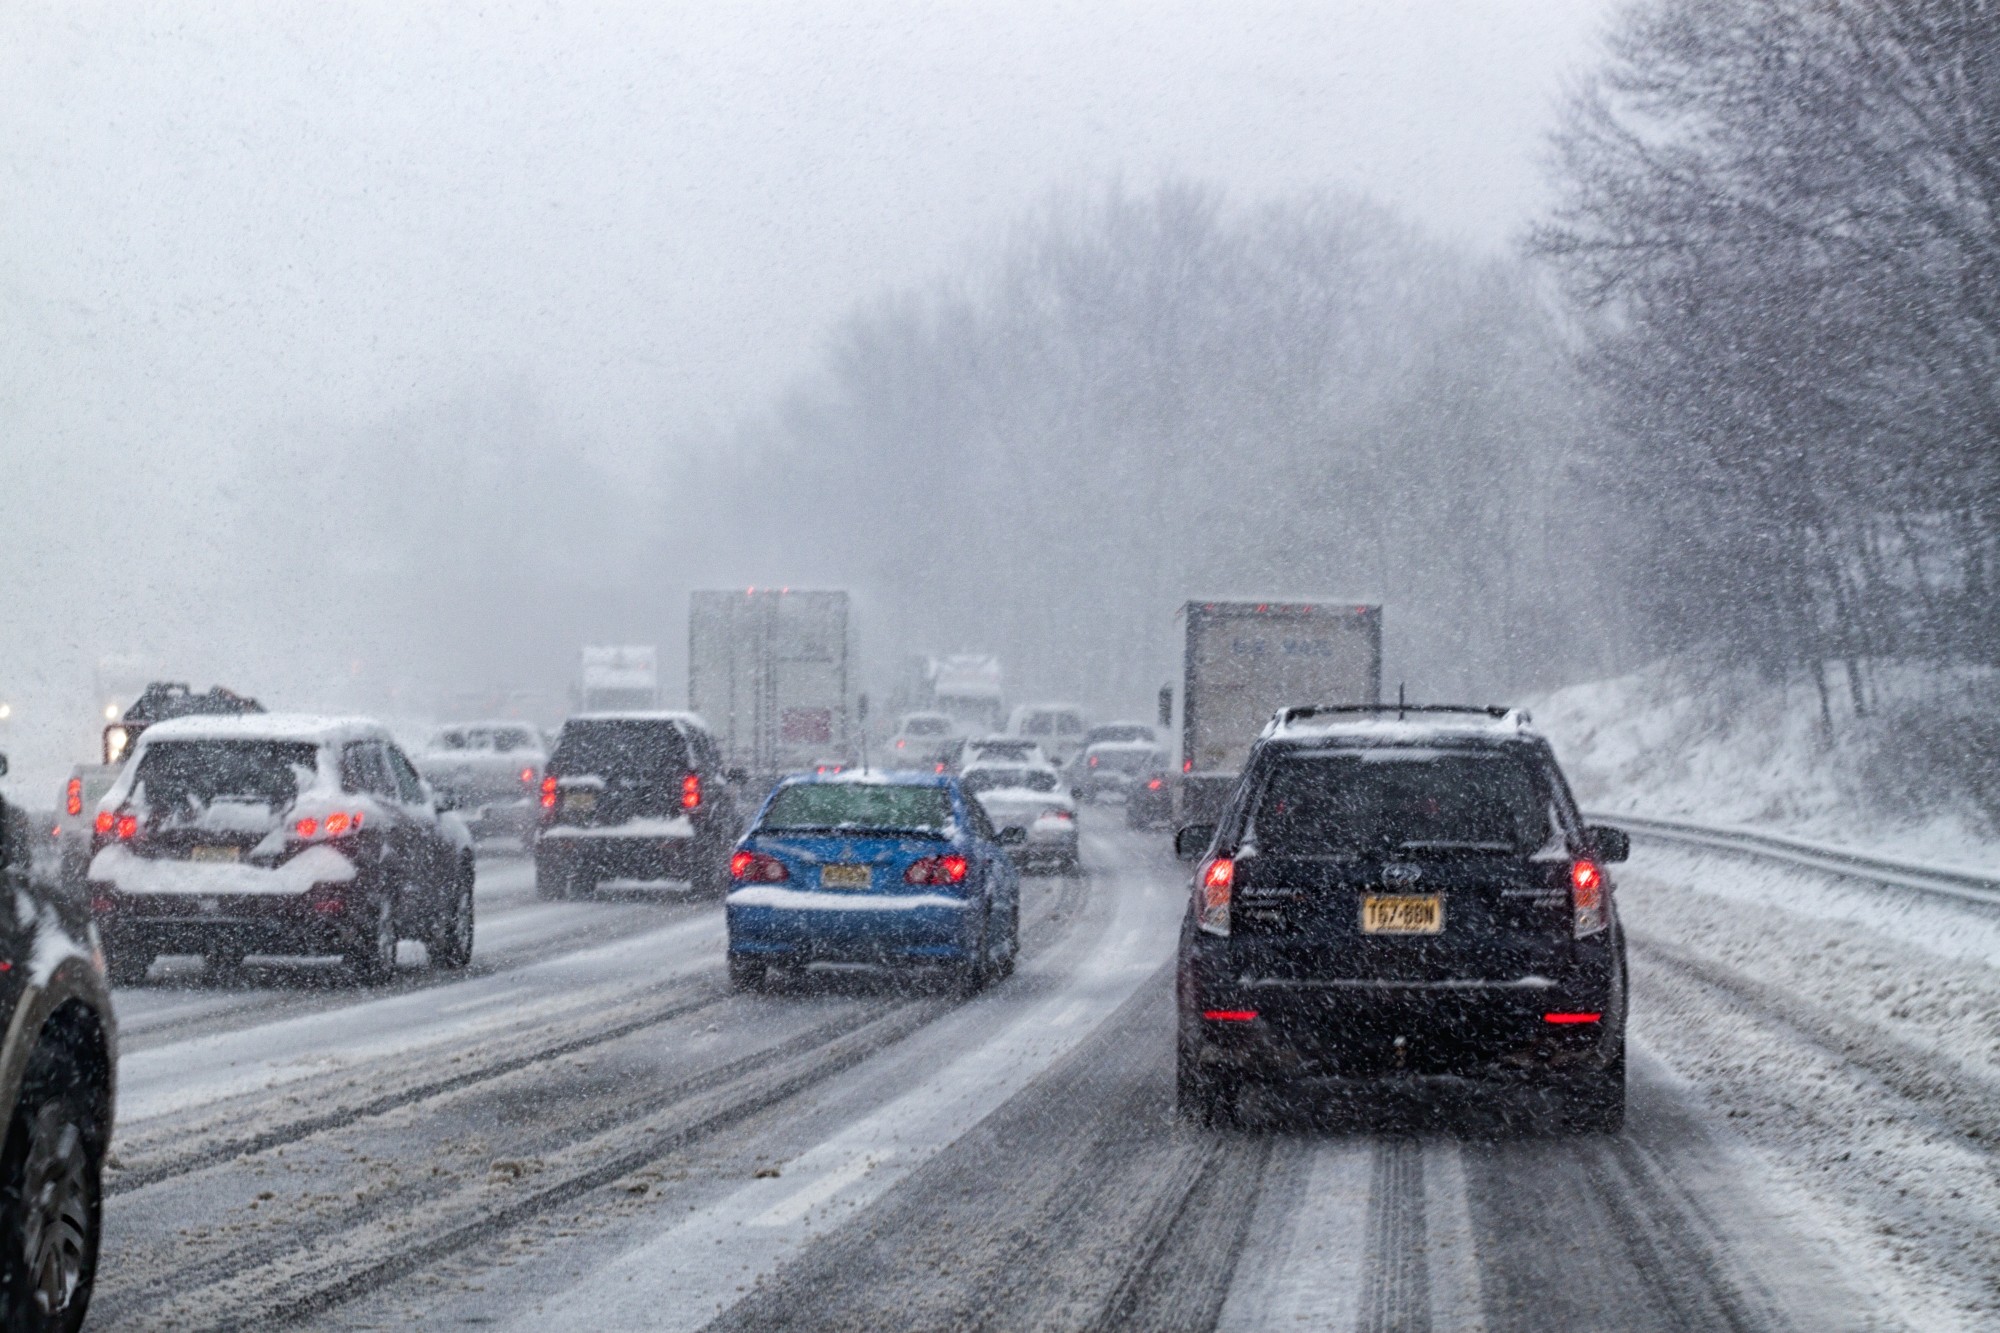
(1909, 777)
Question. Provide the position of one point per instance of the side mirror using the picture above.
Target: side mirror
(1011, 836)
(737, 776)
(1610, 844)
(1191, 840)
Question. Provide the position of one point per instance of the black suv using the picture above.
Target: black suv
(1395, 893)
(56, 1079)
(634, 796)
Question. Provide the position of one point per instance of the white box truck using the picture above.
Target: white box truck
(768, 672)
(1245, 660)
(618, 678)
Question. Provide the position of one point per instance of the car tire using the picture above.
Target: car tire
(127, 964)
(970, 975)
(1594, 1103)
(450, 944)
(1202, 1097)
(1005, 967)
(748, 974)
(51, 1199)
(371, 956)
(551, 883)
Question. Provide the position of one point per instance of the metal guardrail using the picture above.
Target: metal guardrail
(1961, 884)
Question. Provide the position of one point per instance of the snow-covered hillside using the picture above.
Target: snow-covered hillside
(1914, 776)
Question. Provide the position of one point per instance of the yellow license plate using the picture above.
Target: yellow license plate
(844, 877)
(215, 854)
(1402, 916)
(579, 800)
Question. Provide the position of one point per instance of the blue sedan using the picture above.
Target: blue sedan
(892, 869)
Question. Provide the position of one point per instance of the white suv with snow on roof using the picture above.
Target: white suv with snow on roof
(277, 834)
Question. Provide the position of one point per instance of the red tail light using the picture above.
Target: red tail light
(937, 870)
(757, 868)
(1586, 886)
(337, 823)
(1155, 785)
(128, 826)
(73, 797)
(104, 822)
(1571, 1018)
(1218, 881)
(1057, 812)
(1230, 1015)
(527, 777)
(549, 792)
(1093, 761)
(332, 826)
(1187, 765)
(306, 828)
(691, 792)
(940, 768)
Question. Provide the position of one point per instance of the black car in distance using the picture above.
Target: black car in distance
(635, 797)
(1402, 895)
(57, 1069)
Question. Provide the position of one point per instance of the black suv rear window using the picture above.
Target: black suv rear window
(641, 748)
(195, 774)
(1372, 801)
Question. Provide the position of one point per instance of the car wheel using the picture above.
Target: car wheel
(127, 964)
(51, 1185)
(1005, 967)
(451, 946)
(747, 974)
(1202, 1097)
(971, 974)
(371, 958)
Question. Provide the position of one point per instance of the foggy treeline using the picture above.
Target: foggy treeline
(1782, 218)
(1137, 397)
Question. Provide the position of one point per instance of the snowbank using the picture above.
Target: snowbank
(1899, 780)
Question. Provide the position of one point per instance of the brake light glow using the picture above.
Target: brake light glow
(549, 792)
(1187, 765)
(1586, 885)
(128, 826)
(1230, 1015)
(1217, 883)
(105, 819)
(937, 870)
(306, 828)
(1571, 1018)
(691, 792)
(337, 823)
(901, 744)
(73, 797)
(940, 768)
(331, 826)
(757, 868)
(1155, 785)
(527, 777)
(1093, 761)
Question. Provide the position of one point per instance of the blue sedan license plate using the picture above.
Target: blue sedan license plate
(843, 877)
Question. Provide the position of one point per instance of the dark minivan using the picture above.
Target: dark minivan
(635, 797)
(1403, 894)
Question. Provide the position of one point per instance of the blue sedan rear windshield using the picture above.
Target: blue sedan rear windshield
(869, 806)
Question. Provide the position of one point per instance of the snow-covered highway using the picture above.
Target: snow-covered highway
(589, 1131)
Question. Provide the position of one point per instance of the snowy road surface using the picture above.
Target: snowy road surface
(588, 1131)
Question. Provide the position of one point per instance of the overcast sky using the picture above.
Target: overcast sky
(226, 225)
(653, 211)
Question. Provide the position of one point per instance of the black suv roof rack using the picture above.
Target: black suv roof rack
(1300, 712)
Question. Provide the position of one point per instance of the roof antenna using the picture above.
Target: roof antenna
(1400, 705)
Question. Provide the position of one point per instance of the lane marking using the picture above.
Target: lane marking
(832, 1182)
(1457, 1299)
(1304, 1258)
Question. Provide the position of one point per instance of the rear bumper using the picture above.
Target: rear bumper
(801, 926)
(1369, 1029)
(500, 819)
(617, 856)
(322, 921)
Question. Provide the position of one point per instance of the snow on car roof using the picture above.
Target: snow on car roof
(638, 715)
(905, 777)
(1125, 745)
(266, 727)
(1393, 727)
